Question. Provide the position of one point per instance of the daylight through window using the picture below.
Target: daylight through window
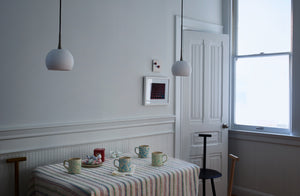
(262, 58)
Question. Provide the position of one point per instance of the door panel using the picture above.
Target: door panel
(204, 102)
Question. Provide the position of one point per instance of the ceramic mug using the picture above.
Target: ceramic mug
(158, 158)
(124, 164)
(143, 151)
(74, 165)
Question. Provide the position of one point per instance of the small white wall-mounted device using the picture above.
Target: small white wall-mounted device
(156, 66)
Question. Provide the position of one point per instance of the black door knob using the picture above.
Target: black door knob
(225, 126)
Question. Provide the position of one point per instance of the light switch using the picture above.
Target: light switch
(156, 66)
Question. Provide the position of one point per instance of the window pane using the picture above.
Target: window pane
(262, 91)
(264, 26)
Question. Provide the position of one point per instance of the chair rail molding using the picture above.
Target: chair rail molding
(32, 137)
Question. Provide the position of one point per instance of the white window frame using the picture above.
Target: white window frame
(235, 56)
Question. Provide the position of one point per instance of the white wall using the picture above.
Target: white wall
(112, 44)
(99, 103)
(206, 10)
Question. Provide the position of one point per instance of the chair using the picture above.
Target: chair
(207, 173)
(16, 162)
(234, 159)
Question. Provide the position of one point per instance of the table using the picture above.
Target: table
(176, 177)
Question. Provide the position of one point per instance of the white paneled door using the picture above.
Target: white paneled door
(204, 103)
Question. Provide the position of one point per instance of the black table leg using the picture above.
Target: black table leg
(213, 186)
(203, 187)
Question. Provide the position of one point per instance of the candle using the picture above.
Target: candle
(100, 151)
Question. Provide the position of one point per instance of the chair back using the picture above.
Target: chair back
(204, 148)
(234, 159)
(16, 162)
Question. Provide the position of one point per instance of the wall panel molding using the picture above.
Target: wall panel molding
(265, 137)
(264, 157)
(197, 83)
(35, 158)
(215, 68)
(46, 136)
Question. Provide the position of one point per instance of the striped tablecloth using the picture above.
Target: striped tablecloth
(176, 177)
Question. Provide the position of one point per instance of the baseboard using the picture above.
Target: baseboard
(242, 191)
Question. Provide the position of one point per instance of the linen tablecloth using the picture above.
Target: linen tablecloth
(176, 177)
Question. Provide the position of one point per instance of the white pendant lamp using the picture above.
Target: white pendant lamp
(181, 68)
(59, 59)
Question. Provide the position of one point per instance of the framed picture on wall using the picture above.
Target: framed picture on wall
(156, 90)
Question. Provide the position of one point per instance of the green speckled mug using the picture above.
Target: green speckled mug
(158, 158)
(74, 165)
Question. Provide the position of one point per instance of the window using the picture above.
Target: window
(261, 65)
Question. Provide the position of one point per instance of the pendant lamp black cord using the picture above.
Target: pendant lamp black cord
(181, 30)
(59, 35)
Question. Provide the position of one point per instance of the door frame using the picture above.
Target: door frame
(194, 25)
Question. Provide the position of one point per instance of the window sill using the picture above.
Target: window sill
(274, 138)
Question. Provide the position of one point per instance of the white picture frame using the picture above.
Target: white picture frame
(156, 90)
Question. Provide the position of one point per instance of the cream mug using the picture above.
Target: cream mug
(74, 165)
(158, 158)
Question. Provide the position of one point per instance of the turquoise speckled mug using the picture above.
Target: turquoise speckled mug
(143, 151)
(74, 165)
(124, 164)
(158, 158)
